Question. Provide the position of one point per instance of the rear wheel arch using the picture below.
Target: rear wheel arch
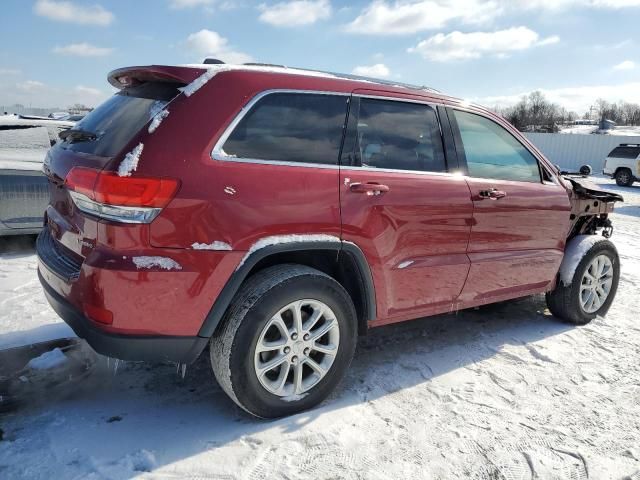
(343, 261)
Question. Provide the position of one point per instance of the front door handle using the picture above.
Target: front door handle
(370, 188)
(492, 194)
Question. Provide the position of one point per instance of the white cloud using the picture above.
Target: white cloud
(9, 71)
(577, 99)
(66, 11)
(615, 3)
(180, 4)
(295, 14)
(626, 65)
(39, 94)
(464, 46)
(207, 43)
(379, 70)
(401, 17)
(564, 4)
(93, 92)
(30, 85)
(405, 17)
(82, 50)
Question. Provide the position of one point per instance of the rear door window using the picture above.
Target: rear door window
(399, 135)
(117, 120)
(626, 151)
(492, 152)
(291, 127)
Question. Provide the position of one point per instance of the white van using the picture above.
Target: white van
(623, 164)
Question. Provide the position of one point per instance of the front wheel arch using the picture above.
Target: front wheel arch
(564, 300)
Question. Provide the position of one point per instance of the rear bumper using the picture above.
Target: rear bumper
(122, 296)
(150, 348)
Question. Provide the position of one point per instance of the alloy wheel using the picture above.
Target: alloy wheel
(596, 284)
(297, 347)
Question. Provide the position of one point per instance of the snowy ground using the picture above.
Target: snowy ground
(588, 129)
(504, 392)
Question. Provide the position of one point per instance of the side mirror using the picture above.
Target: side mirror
(586, 170)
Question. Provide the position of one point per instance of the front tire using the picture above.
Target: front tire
(624, 177)
(593, 286)
(286, 341)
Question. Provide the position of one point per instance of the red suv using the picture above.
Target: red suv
(274, 214)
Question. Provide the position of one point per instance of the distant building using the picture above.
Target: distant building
(607, 124)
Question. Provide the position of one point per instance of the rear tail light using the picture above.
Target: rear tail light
(122, 199)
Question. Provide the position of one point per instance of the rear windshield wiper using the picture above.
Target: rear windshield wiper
(77, 135)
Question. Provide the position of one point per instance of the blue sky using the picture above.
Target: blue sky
(54, 53)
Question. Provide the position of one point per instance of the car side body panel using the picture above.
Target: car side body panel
(612, 164)
(227, 199)
(414, 237)
(517, 242)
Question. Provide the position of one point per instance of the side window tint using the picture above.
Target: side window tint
(398, 135)
(291, 127)
(492, 152)
(627, 151)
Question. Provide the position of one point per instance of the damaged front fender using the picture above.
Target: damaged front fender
(590, 207)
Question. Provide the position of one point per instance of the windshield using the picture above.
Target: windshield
(115, 122)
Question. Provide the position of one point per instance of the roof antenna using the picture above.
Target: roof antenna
(212, 61)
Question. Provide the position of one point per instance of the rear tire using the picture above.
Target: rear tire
(584, 298)
(624, 177)
(271, 321)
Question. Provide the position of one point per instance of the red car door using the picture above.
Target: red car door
(403, 208)
(520, 217)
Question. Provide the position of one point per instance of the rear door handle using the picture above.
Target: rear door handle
(492, 194)
(370, 188)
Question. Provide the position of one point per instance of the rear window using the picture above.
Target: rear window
(117, 120)
(625, 152)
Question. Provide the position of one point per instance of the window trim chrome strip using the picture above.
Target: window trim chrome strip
(218, 153)
(534, 152)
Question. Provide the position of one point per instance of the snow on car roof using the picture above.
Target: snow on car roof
(224, 67)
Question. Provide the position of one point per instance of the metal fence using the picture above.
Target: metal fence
(570, 151)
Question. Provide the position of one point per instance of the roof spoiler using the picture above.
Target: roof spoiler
(130, 76)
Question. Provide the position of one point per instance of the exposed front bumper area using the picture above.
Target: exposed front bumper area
(150, 348)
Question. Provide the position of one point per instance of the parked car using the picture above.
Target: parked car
(24, 191)
(623, 164)
(274, 214)
(59, 115)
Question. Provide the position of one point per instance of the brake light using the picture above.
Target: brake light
(135, 192)
(126, 199)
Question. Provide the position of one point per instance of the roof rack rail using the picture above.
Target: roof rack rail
(345, 76)
(348, 76)
(258, 64)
